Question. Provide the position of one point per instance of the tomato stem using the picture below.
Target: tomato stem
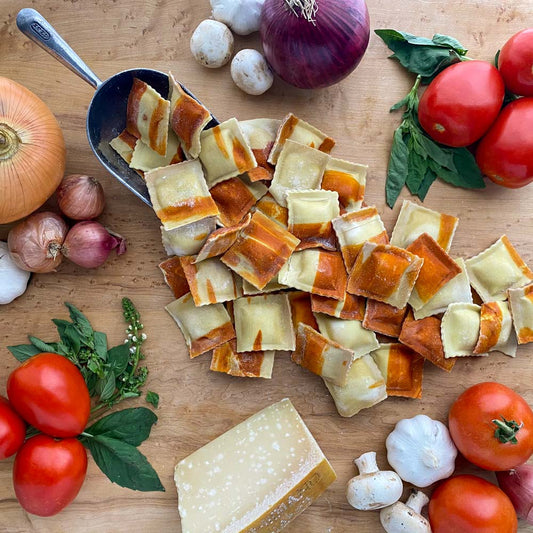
(506, 430)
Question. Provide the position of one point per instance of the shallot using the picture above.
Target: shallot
(80, 197)
(88, 244)
(518, 485)
(35, 243)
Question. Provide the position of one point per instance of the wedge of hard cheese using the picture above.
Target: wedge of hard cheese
(256, 477)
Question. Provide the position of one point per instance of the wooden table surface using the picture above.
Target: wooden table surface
(197, 405)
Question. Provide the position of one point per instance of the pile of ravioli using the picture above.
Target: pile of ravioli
(271, 248)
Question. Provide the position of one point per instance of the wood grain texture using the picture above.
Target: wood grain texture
(196, 404)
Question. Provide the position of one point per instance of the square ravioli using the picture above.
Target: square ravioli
(354, 229)
(424, 337)
(521, 304)
(203, 328)
(365, 386)
(263, 323)
(497, 269)
(225, 154)
(179, 194)
(348, 333)
(348, 180)
(174, 276)
(456, 290)
(310, 216)
(235, 197)
(268, 205)
(385, 273)
(260, 134)
(496, 331)
(188, 118)
(315, 271)
(144, 158)
(301, 311)
(438, 268)
(189, 239)
(220, 240)
(402, 368)
(460, 329)
(414, 220)
(244, 364)
(384, 318)
(124, 144)
(147, 116)
(299, 168)
(272, 286)
(210, 281)
(351, 307)
(294, 129)
(260, 251)
(322, 356)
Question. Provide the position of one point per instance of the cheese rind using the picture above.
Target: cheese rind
(256, 477)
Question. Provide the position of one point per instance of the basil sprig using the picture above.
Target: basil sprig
(416, 160)
(112, 375)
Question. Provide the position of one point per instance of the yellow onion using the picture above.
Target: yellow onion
(35, 243)
(32, 152)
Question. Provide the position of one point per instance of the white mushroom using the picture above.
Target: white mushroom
(250, 72)
(242, 16)
(13, 280)
(212, 43)
(372, 488)
(405, 517)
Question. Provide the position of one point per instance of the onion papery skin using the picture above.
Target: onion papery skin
(35, 243)
(312, 56)
(518, 485)
(32, 151)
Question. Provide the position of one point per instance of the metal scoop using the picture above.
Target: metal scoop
(106, 116)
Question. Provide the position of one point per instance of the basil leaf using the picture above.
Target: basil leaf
(71, 337)
(107, 386)
(427, 181)
(129, 425)
(425, 57)
(100, 344)
(418, 166)
(123, 464)
(443, 156)
(118, 358)
(23, 352)
(80, 320)
(449, 42)
(466, 166)
(61, 325)
(43, 346)
(398, 166)
(152, 398)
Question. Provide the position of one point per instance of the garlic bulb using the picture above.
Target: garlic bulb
(13, 280)
(421, 450)
(242, 16)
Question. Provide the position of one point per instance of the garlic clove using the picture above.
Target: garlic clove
(13, 280)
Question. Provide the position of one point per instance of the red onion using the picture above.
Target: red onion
(314, 43)
(88, 244)
(518, 485)
(80, 197)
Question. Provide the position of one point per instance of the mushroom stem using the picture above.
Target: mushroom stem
(366, 463)
(417, 500)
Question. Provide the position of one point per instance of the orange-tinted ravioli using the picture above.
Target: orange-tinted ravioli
(384, 318)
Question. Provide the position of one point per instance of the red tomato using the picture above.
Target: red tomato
(461, 103)
(12, 430)
(472, 427)
(468, 504)
(48, 474)
(515, 63)
(49, 392)
(505, 154)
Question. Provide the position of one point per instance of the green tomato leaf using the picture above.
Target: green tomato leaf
(118, 358)
(152, 398)
(129, 425)
(100, 344)
(398, 167)
(23, 352)
(123, 464)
